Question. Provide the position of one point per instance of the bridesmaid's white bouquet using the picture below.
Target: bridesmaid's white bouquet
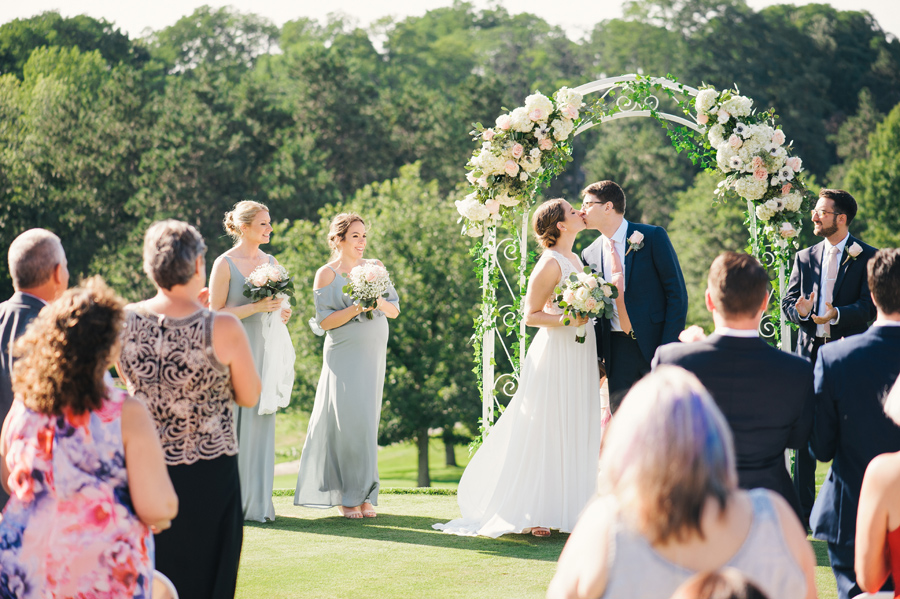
(585, 294)
(267, 280)
(366, 283)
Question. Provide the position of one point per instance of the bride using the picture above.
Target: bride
(537, 468)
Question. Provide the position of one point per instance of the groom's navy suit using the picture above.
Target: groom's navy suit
(851, 297)
(852, 376)
(766, 397)
(655, 297)
(15, 314)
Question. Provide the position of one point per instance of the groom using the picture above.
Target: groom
(652, 305)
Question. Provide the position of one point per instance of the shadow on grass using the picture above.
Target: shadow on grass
(416, 530)
(821, 550)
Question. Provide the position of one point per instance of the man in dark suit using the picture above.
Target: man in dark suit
(765, 394)
(37, 265)
(652, 305)
(852, 377)
(828, 298)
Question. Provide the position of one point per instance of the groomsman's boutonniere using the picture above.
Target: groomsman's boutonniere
(853, 252)
(635, 242)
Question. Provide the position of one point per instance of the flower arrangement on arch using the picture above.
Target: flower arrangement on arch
(756, 161)
(513, 154)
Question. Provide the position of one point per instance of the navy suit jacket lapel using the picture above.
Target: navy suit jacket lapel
(629, 255)
(844, 263)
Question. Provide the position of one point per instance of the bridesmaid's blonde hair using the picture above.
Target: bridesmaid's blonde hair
(243, 213)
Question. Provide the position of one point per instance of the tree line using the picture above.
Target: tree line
(102, 134)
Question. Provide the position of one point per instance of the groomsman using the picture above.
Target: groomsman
(652, 305)
(852, 377)
(766, 396)
(828, 297)
(37, 265)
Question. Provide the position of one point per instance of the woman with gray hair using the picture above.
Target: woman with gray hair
(669, 506)
(189, 366)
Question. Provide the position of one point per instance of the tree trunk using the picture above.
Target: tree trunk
(449, 445)
(422, 443)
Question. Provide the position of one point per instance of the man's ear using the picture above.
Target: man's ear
(709, 302)
(57, 274)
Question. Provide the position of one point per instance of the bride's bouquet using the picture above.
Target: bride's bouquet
(268, 280)
(366, 283)
(585, 294)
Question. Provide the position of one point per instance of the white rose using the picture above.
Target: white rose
(472, 209)
(258, 278)
(473, 230)
(606, 291)
(722, 116)
(582, 293)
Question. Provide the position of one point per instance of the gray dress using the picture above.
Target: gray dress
(339, 463)
(255, 432)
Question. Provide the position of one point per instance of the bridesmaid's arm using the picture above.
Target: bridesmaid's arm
(219, 281)
(540, 288)
(324, 277)
(871, 560)
(390, 305)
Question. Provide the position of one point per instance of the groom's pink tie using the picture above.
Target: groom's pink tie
(618, 279)
(831, 268)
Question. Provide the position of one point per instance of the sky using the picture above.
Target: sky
(135, 17)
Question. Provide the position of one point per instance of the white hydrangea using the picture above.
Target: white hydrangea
(507, 200)
(562, 128)
(473, 230)
(520, 120)
(538, 102)
(716, 135)
(568, 96)
(793, 201)
(489, 163)
(738, 106)
(530, 164)
(750, 189)
(724, 154)
(763, 213)
(706, 100)
(470, 208)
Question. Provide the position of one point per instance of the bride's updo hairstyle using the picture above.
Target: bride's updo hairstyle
(546, 218)
(243, 213)
(340, 224)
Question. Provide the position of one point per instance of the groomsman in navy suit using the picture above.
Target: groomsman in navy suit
(766, 395)
(652, 305)
(37, 265)
(852, 377)
(828, 297)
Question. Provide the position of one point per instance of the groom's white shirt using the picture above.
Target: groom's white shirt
(593, 253)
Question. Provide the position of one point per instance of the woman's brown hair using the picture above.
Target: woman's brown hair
(546, 217)
(64, 353)
(340, 224)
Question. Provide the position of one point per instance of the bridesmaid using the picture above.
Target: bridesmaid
(339, 463)
(249, 225)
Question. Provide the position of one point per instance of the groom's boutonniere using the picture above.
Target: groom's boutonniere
(635, 242)
(853, 252)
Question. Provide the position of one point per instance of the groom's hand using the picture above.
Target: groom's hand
(805, 305)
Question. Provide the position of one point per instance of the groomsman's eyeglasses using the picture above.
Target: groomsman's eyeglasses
(822, 213)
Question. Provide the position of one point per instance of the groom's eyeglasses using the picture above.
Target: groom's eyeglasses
(822, 213)
(588, 203)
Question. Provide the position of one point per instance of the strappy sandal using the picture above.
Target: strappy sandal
(351, 513)
(368, 510)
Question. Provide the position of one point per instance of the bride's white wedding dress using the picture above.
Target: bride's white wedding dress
(538, 465)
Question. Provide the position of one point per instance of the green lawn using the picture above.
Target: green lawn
(309, 553)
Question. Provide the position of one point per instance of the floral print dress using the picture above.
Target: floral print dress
(69, 528)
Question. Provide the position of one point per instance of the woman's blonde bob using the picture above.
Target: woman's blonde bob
(667, 451)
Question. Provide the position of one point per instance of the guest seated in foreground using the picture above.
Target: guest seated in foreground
(669, 506)
(727, 583)
(878, 517)
(81, 460)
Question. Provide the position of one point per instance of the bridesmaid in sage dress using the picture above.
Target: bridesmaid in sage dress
(249, 225)
(339, 463)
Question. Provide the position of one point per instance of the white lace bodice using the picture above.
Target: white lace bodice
(567, 269)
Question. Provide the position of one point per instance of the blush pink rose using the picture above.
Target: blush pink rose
(493, 206)
(760, 174)
(590, 304)
(735, 142)
(787, 231)
(568, 296)
(371, 276)
(504, 122)
(636, 237)
(757, 162)
(702, 119)
(569, 111)
(778, 137)
(511, 168)
(518, 150)
(537, 115)
(487, 134)
(546, 144)
(794, 163)
(786, 189)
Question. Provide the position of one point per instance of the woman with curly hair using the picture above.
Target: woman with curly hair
(80, 459)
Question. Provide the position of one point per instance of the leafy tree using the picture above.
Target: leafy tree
(700, 231)
(875, 182)
(852, 138)
(19, 37)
